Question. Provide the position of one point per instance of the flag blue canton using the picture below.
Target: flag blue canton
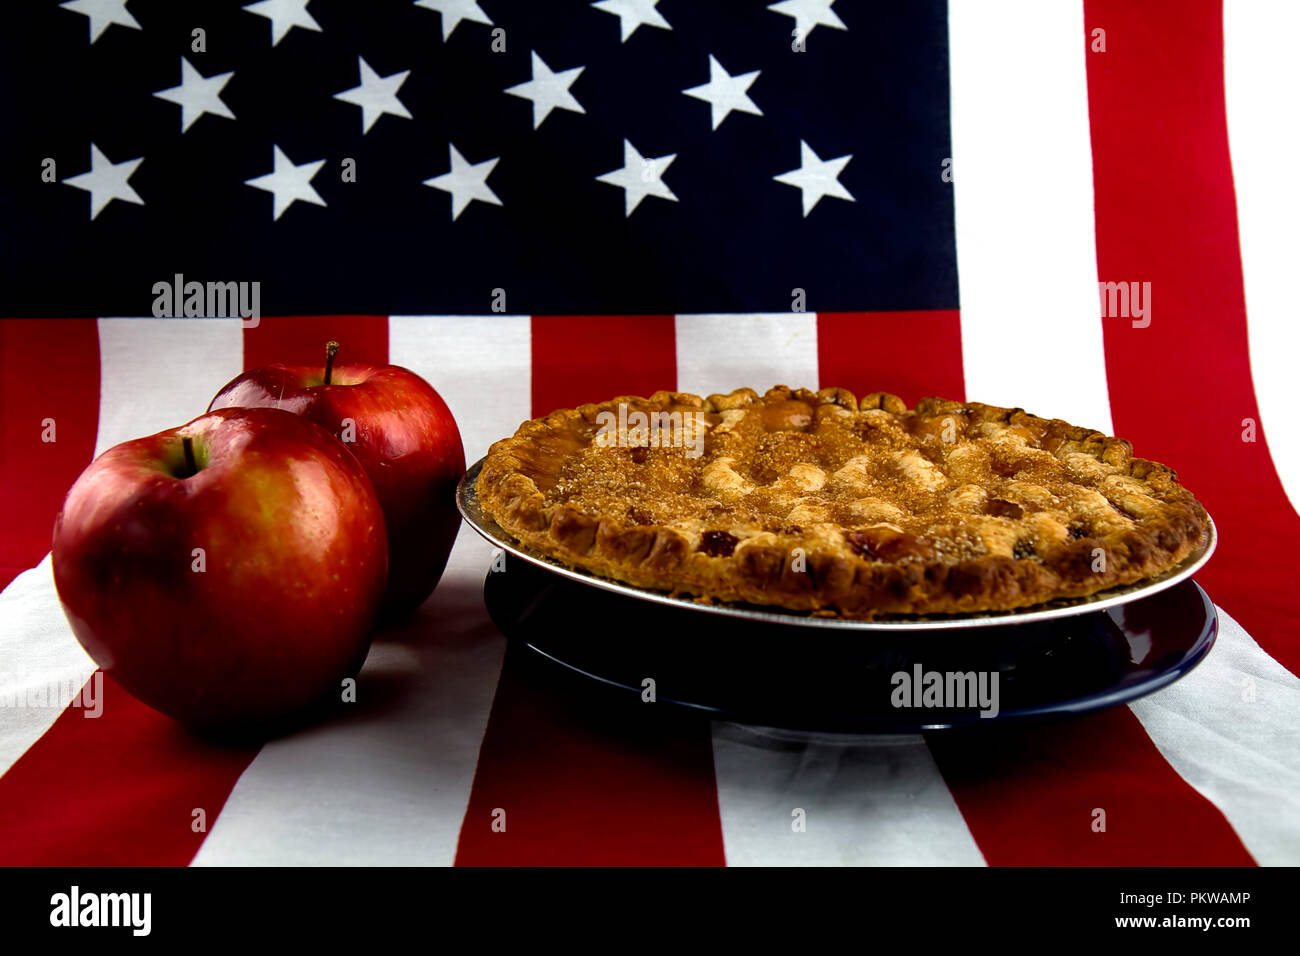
(703, 166)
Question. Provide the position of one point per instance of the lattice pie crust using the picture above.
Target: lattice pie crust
(819, 502)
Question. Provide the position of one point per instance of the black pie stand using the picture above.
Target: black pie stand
(604, 645)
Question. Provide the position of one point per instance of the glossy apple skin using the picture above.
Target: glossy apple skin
(405, 438)
(295, 554)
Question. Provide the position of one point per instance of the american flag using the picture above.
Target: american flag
(399, 157)
(535, 205)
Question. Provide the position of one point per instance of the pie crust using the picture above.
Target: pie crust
(819, 502)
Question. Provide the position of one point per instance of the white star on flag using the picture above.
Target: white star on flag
(453, 11)
(288, 182)
(725, 92)
(197, 95)
(376, 95)
(466, 182)
(632, 14)
(284, 16)
(548, 90)
(816, 178)
(106, 181)
(808, 14)
(640, 177)
(102, 14)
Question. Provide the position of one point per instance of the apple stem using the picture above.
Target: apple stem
(331, 350)
(191, 466)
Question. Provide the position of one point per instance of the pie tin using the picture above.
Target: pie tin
(468, 503)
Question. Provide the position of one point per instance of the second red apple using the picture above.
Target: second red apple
(404, 436)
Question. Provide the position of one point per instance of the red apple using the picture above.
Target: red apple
(403, 434)
(227, 571)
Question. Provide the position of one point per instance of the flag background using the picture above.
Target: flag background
(558, 243)
(1152, 161)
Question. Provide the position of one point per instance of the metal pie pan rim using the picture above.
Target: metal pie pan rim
(468, 505)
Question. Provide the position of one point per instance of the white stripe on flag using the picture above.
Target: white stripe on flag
(480, 365)
(42, 667)
(1229, 729)
(390, 785)
(1259, 61)
(719, 353)
(873, 801)
(1026, 247)
(156, 374)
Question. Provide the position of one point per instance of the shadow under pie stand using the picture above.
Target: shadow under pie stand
(599, 646)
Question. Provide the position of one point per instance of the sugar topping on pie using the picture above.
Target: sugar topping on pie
(821, 502)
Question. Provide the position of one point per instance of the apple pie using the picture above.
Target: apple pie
(821, 502)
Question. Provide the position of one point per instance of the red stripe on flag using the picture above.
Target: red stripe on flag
(586, 786)
(1031, 795)
(912, 354)
(1181, 388)
(117, 790)
(589, 358)
(300, 340)
(50, 380)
